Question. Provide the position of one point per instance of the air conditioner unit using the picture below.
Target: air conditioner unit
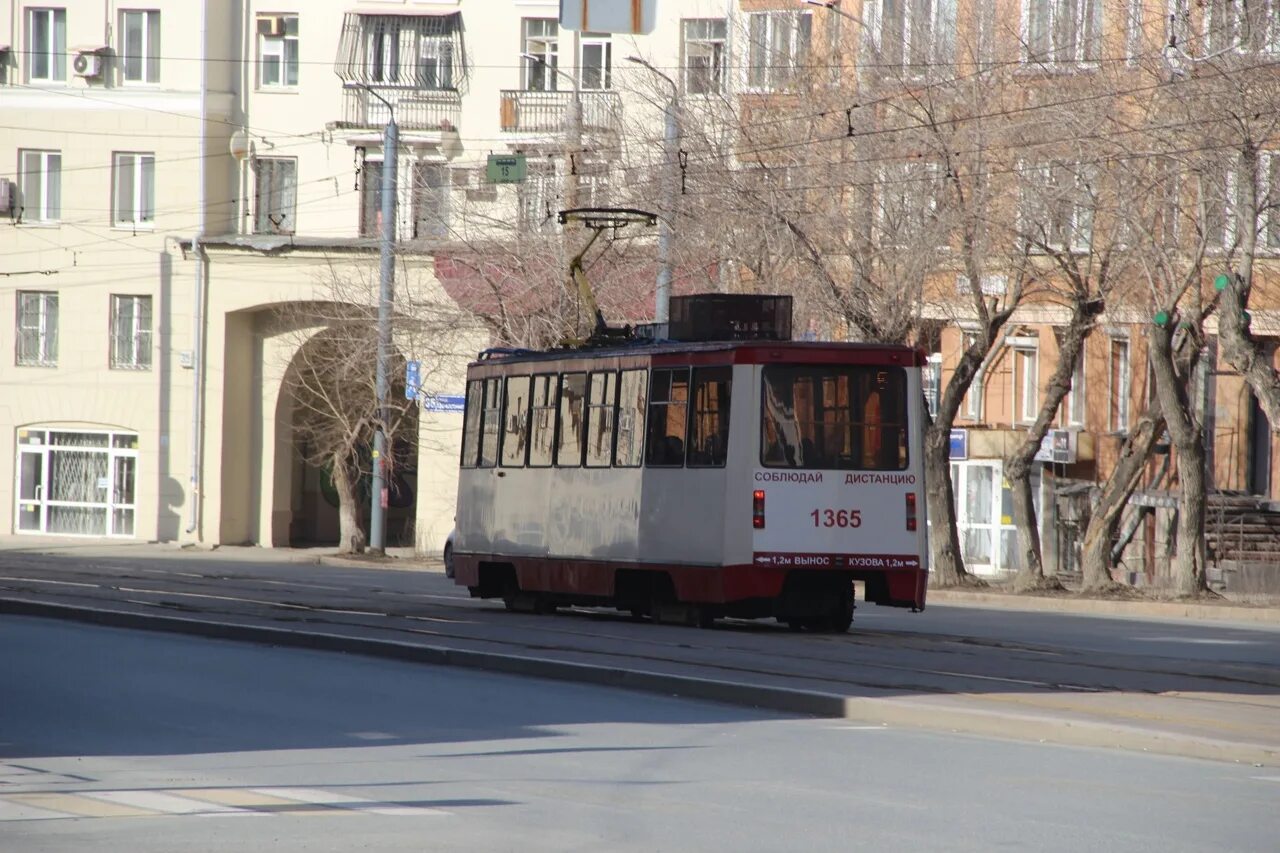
(7, 197)
(88, 63)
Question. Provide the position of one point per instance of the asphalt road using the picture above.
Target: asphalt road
(1180, 687)
(119, 740)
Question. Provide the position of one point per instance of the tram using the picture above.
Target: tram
(722, 471)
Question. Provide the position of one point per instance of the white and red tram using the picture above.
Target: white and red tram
(688, 481)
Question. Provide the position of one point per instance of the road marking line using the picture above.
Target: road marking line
(1267, 778)
(248, 799)
(342, 801)
(18, 811)
(160, 801)
(78, 805)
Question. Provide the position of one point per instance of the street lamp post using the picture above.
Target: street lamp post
(670, 153)
(386, 295)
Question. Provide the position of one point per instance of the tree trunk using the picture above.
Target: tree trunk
(351, 536)
(1189, 575)
(1107, 509)
(944, 539)
(1031, 573)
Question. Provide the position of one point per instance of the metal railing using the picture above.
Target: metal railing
(551, 112)
(416, 109)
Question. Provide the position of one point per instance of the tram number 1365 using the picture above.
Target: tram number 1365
(836, 517)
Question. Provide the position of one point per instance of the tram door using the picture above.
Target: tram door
(31, 488)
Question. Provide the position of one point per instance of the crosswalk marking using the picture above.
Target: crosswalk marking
(198, 802)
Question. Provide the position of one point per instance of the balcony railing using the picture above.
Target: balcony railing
(551, 112)
(416, 109)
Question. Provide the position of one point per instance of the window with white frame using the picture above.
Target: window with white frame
(538, 199)
(371, 198)
(1076, 401)
(1057, 206)
(1133, 34)
(973, 396)
(597, 61)
(1026, 381)
(40, 185)
(131, 332)
(777, 47)
(1062, 32)
(1219, 190)
(277, 51)
(1249, 26)
(541, 59)
(914, 34)
(140, 46)
(37, 328)
(931, 381)
(703, 43)
(1269, 200)
(410, 50)
(908, 198)
(275, 195)
(46, 45)
(134, 188)
(1120, 383)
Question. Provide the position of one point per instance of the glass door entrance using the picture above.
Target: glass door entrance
(76, 483)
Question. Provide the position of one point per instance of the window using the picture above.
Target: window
(135, 189)
(837, 418)
(46, 45)
(40, 185)
(371, 198)
(931, 379)
(908, 198)
(1076, 400)
(914, 33)
(515, 419)
(1271, 198)
(570, 428)
(539, 198)
(542, 433)
(668, 413)
(1119, 420)
(541, 42)
(777, 47)
(409, 50)
(704, 41)
(973, 397)
(1062, 32)
(131, 332)
(1133, 35)
(602, 402)
(37, 328)
(140, 46)
(597, 61)
(1249, 27)
(1221, 192)
(1057, 206)
(632, 392)
(430, 200)
(1026, 384)
(277, 51)
(709, 441)
(481, 423)
(275, 195)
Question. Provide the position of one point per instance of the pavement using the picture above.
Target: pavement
(1162, 722)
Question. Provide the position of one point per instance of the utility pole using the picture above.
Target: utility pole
(386, 296)
(671, 196)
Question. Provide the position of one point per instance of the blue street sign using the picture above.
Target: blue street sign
(959, 444)
(412, 380)
(445, 402)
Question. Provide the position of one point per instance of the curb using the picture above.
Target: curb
(1102, 607)
(910, 713)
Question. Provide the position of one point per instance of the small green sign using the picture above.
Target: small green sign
(1220, 283)
(507, 168)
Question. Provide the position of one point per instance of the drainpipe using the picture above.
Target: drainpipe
(197, 349)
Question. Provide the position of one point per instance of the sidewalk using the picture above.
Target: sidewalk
(404, 559)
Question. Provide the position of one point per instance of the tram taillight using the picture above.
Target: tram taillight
(757, 509)
(911, 510)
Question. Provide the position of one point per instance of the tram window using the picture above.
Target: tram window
(515, 422)
(602, 402)
(569, 428)
(709, 438)
(491, 422)
(842, 418)
(632, 390)
(542, 421)
(471, 424)
(668, 413)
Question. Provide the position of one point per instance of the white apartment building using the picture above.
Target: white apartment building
(175, 170)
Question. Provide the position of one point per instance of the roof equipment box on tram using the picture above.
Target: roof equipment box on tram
(730, 317)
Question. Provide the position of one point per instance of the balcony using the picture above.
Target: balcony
(550, 112)
(416, 108)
